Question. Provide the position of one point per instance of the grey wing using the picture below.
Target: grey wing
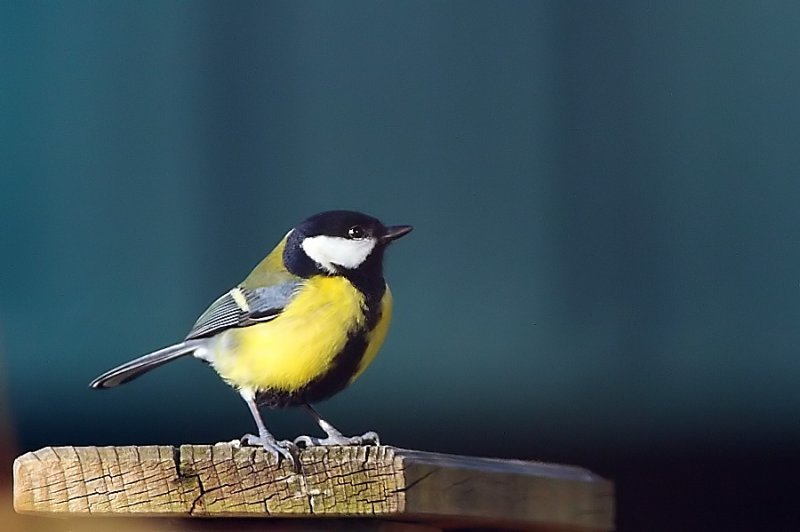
(242, 307)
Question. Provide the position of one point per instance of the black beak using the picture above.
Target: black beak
(394, 232)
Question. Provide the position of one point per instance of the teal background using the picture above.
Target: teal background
(606, 263)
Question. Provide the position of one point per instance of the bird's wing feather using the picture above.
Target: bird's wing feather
(242, 307)
(261, 297)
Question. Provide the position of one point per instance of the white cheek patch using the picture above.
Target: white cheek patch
(331, 251)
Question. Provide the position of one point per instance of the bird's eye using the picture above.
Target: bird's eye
(356, 232)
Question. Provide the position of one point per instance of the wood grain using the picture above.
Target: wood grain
(226, 480)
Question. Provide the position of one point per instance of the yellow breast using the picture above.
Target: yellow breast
(300, 344)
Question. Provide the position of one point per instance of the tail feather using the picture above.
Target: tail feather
(130, 370)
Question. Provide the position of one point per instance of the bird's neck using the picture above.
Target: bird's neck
(368, 279)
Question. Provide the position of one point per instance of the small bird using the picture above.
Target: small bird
(304, 324)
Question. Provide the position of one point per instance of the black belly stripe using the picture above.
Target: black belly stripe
(333, 381)
(344, 365)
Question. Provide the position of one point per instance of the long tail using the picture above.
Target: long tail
(134, 368)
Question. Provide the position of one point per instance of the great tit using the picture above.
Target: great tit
(304, 324)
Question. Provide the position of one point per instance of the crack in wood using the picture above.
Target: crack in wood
(409, 486)
(225, 480)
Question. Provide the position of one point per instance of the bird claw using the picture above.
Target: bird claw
(278, 449)
(368, 438)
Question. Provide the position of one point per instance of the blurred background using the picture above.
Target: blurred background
(606, 264)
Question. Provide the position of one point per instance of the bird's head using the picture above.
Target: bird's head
(339, 243)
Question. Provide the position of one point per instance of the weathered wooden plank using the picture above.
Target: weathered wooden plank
(166, 524)
(226, 480)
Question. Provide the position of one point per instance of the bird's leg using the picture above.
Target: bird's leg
(334, 436)
(266, 440)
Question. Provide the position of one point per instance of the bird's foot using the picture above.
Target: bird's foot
(336, 438)
(278, 449)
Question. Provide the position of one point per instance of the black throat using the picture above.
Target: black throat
(368, 279)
